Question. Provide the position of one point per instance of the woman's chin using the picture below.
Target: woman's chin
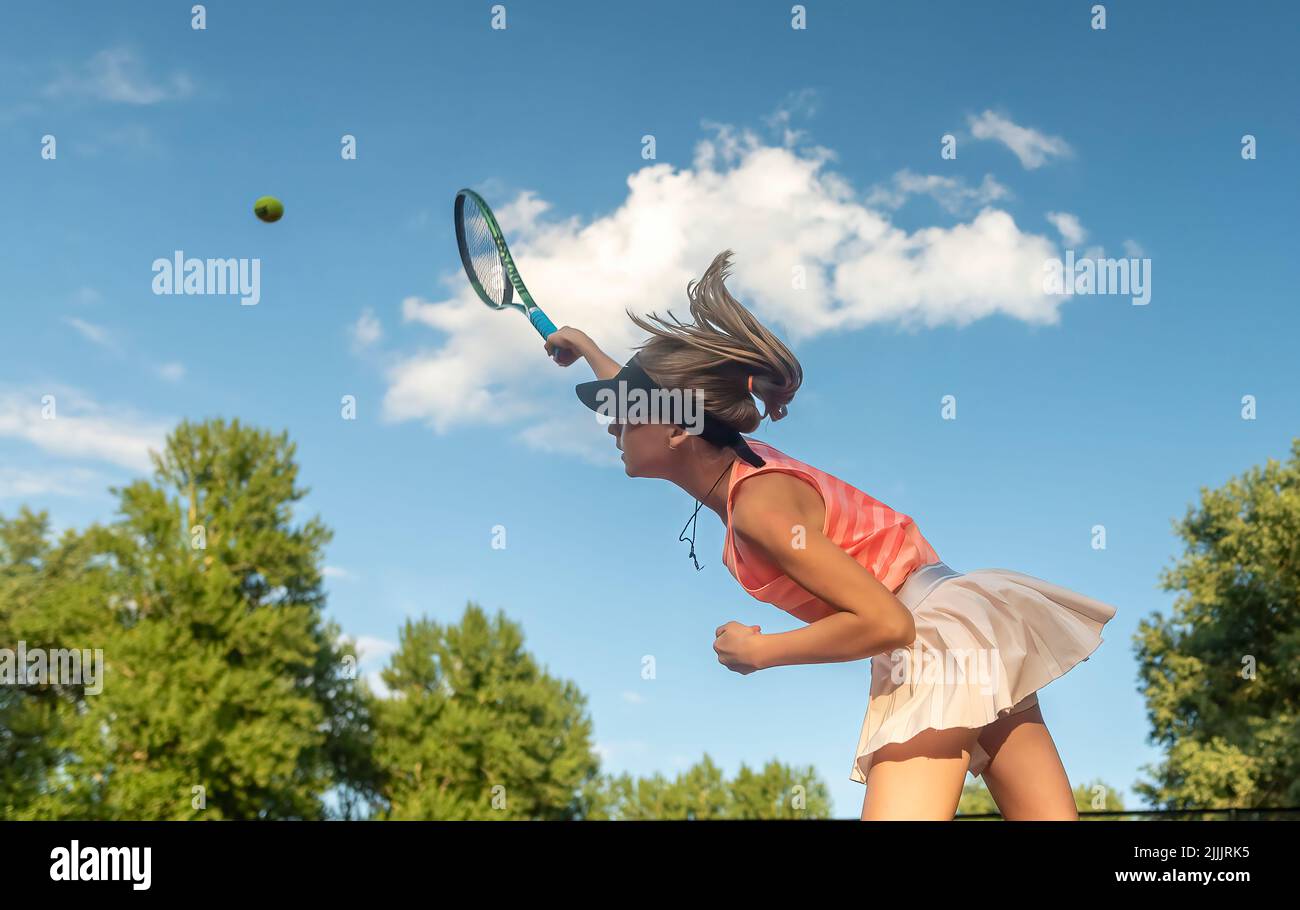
(628, 467)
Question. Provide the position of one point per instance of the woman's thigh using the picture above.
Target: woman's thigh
(920, 779)
(1024, 774)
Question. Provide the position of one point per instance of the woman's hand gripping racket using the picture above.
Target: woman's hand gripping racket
(488, 263)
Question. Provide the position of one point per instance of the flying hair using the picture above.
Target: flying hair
(719, 351)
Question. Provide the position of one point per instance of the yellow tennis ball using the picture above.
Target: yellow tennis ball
(269, 209)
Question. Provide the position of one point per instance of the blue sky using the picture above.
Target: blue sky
(817, 149)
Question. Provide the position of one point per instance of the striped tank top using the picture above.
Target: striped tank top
(887, 543)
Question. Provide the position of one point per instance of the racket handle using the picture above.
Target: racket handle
(541, 323)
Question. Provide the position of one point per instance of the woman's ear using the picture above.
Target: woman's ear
(677, 437)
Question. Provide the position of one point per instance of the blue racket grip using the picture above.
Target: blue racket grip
(541, 323)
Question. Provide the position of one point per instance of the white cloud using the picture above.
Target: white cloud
(1029, 145)
(117, 75)
(779, 208)
(951, 193)
(80, 428)
(802, 103)
(172, 372)
(131, 138)
(1072, 232)
(370, 648)
(378, 687)
(16, 484)
(91, 332)
(372, 651)
(367, 331)
(19, 483)
(337, 572)
(633, 698)
(620, 750)
(573, 431)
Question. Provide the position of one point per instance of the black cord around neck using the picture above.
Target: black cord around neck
(693, 520)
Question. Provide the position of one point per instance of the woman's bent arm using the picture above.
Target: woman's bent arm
(870, 621)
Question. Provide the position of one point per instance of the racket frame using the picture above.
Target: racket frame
(528, 306)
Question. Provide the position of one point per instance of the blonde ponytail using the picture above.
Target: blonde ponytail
(718, 353)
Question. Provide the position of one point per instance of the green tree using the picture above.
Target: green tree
(1088, 797)
(226, 695)
(779, 791)
(51, 597)
(474, 729)
(703, 792)
(976, 799)
(1097, 796)
(1221, 672)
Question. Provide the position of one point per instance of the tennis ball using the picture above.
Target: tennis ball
(269, 209)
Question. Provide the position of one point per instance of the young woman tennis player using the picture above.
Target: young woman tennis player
(957, 658)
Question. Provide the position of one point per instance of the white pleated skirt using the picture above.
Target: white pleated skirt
(986, 642)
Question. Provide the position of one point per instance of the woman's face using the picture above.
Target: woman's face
(645, 448)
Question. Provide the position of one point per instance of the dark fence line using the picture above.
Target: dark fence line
(1286, 813)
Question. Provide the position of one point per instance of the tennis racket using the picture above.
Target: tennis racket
(488, 264)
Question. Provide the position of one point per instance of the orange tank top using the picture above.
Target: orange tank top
(887, 543)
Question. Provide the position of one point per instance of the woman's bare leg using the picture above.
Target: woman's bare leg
(1024, 775)
(920, 779)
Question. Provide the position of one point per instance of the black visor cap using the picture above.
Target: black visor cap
(597, 394)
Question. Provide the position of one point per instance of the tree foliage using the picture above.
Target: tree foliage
(703, 792)
(1221, 672)
(224, 691)
(227, 695)
(474, 729)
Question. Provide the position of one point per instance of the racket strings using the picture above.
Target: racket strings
(484, 259)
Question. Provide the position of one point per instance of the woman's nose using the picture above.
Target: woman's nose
(612, 430)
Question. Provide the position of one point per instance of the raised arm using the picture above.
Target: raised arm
(566, 345)
(775, 512)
